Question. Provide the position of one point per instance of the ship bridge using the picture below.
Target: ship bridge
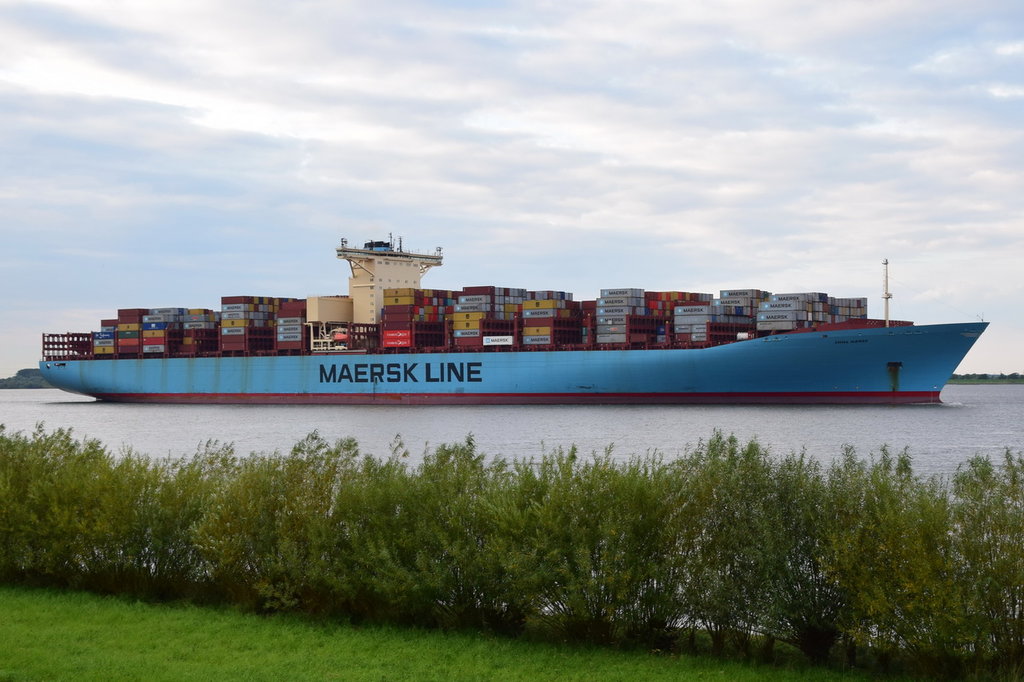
(381, 265)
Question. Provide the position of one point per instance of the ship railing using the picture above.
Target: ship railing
(67, 346)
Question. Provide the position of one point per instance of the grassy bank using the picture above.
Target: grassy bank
(48, 635)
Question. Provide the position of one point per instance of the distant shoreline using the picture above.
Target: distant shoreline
(991, 378)
(980, 382)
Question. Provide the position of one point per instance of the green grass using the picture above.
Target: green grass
(48, 635)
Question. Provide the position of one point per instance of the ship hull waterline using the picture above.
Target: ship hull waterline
(894, 365)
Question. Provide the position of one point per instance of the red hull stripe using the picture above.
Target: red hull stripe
(797, 398)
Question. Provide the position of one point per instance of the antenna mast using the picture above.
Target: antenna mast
(885, 288)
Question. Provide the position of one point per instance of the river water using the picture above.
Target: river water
(973, 419)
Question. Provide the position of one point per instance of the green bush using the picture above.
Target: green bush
(988, 523)
(726, 543)
(808, 604)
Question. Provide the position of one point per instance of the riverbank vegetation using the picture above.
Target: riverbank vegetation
(728, 550)
(1012, 378)
(26, 378)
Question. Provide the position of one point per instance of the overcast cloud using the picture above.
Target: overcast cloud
(170, 153)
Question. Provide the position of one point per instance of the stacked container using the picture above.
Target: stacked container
(785, 312)
(414, 317)
(162, 331)
(843, 309)
(246, 323)
(290, 328)
(485, 316)
(706, 320)
(629, 316)
(550, 317)
(738, 305)
(200, 332)
(103, 341)
(662, 305)
(128, 336)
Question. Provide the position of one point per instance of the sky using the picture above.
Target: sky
(168, 153)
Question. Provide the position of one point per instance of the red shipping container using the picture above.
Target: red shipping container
(388, 324)
(389, 309)
(476, 291)
(396, 343)
(397, 333)
(292, 309)
(400, 318)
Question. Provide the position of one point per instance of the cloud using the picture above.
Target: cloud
(784, 144)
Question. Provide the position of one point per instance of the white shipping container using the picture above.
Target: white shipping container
(474, 308)
(539, 340)
(476, 298)
(690, 309)
(622, 310)
(103, 343)
(784, 305)
(466, 333)
(154, 348)
(282, 321)
(498, 340)
(199, 325)
(610, 338)
(636, 293)
(744, 293)
(289, 329)
(779, 315)
(745, 301)
(289, 337)
(803, 296)
(620, 301)
(232, 331)
(778, 325)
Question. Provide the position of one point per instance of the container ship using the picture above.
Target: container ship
(391, 342)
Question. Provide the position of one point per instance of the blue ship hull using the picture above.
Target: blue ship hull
(908, 364)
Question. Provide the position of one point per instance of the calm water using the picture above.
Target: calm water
(972, 420)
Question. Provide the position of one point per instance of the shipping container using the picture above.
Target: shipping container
(635, 293)
(498, 340)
